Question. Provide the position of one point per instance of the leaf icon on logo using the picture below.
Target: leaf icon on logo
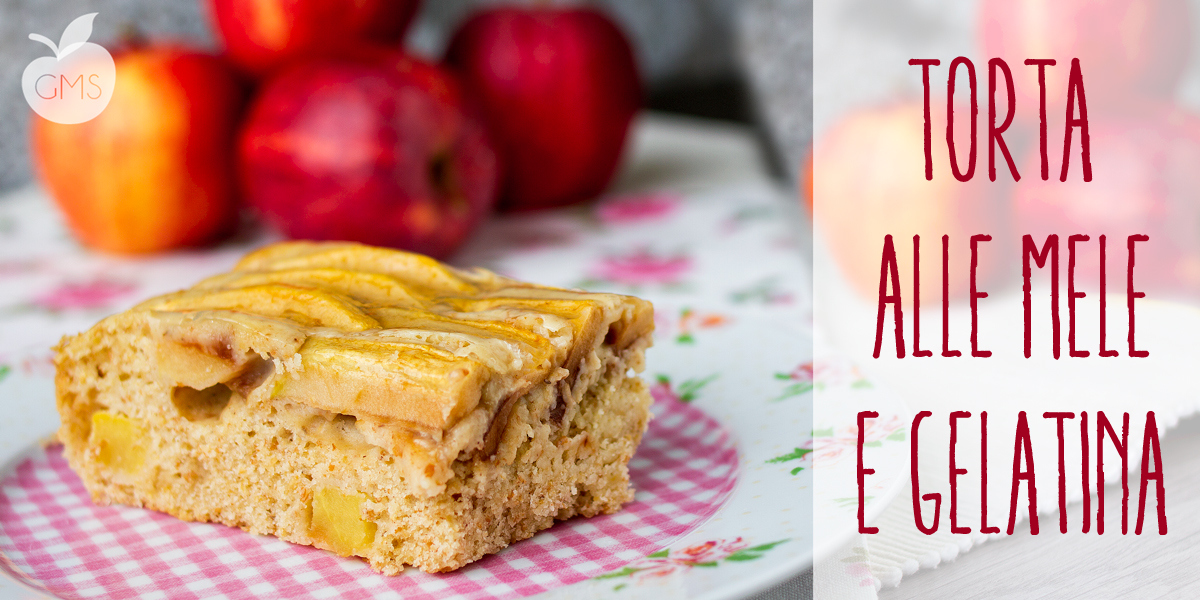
(74, 36)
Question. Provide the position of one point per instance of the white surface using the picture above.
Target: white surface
(1086, 566)
(840, 394)
(1003, 385)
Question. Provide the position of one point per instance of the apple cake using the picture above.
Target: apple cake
(367, 401)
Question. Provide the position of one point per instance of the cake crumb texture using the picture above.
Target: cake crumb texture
(369, 402)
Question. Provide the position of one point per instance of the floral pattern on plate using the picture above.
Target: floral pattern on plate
(723, 269)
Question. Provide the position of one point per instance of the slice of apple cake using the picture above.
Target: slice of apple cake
(367, 401)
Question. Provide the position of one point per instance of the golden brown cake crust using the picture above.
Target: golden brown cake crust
(368, 401)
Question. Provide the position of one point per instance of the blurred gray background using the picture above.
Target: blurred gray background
(742, 60)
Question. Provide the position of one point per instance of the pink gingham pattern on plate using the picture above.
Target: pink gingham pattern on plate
(54, 538)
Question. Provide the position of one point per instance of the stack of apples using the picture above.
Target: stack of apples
(869, 168)
(316, 117)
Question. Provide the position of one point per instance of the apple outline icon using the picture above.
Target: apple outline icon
(76, 64)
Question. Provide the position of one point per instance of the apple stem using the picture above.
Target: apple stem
(132, 36)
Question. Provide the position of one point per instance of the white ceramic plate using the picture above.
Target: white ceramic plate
(763, 534)
(840, 392)
(724, 270)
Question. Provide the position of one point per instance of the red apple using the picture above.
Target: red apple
(1126, 48)
(382, 151)
(153, 171)
(263, 35)
(559, 88)
(1144, 182)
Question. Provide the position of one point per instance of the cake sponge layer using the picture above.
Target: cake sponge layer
(286, 423)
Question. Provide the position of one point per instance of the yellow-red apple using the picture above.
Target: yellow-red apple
(154, 170)
(869, 182)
